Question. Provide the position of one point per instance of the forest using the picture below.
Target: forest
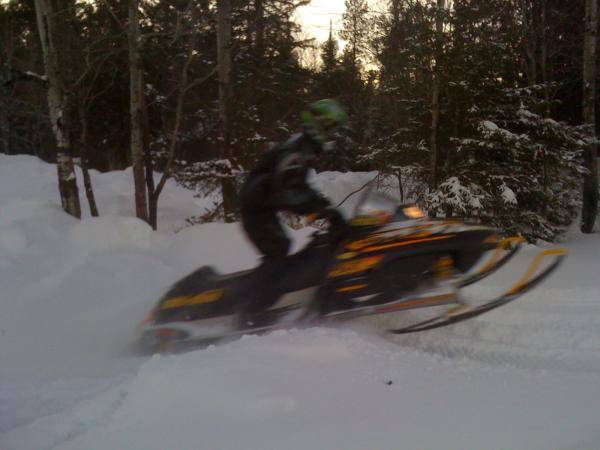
(480, 109)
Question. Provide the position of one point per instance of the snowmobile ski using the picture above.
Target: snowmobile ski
(464, 311)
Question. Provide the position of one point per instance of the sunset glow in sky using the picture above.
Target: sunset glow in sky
(316, 16)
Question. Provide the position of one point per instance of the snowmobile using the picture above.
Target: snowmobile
(393, 259)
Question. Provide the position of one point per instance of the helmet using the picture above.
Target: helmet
(322, 119)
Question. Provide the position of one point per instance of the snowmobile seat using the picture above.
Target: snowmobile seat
(206, 277)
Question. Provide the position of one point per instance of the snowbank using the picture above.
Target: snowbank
(27, 178)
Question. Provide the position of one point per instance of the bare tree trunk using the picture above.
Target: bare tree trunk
(225, 97)
(435, 96)
(400, 185)
(590, 180)
(89, 190)
(542, 34)
(8, 139)
(224, 62)
(530, 38)
(87, 181)
(57, 106)
(260, 30)
(148, 164)
(149, 168)
(184, 86)
(135, 110)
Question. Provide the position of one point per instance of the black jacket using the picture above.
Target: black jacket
(278, 181)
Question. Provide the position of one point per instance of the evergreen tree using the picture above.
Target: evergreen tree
(506, 161)
(328, 81)
(329, 52)
(404, 47)
(514, 168)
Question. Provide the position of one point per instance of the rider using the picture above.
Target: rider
(278, 183)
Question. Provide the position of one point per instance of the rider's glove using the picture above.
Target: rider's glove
(338, 226)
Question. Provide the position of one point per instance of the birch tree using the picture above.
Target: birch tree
(48, 18)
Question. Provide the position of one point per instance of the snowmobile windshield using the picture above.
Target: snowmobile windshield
(375, 208)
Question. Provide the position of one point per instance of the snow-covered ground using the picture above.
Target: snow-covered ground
(523, 377)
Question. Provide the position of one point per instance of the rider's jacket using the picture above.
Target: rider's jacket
(278, 181)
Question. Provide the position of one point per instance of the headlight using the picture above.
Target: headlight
(413, 212)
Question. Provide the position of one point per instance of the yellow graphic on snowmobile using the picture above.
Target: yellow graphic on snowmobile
(389, 236)
(354, 287)
(355, 266)
(441, 299)
(347, 255)
(403, 243)
(186, 300)
(357, 245)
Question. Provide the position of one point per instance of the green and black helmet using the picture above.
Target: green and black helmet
(322, 119)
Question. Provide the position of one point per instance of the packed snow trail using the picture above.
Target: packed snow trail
(522, 377)
(331, 389)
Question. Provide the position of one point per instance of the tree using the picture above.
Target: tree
(505, 152)
(50, 19)
(136, 104)
(404, 45)
(355, 28)
(225, 101)
(329, 79)
(435, 95)
(590, 183)
(512, 165)
(23, 92)
(188, 20)
(329, 52)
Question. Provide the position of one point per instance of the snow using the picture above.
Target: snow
(458, 195)
(489, 126)
(489, 129)
(508, 195)
(71, 292)
(338, 185)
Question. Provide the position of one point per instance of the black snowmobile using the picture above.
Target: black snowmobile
(394, 259)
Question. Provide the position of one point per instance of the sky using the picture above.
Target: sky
(316, 16)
